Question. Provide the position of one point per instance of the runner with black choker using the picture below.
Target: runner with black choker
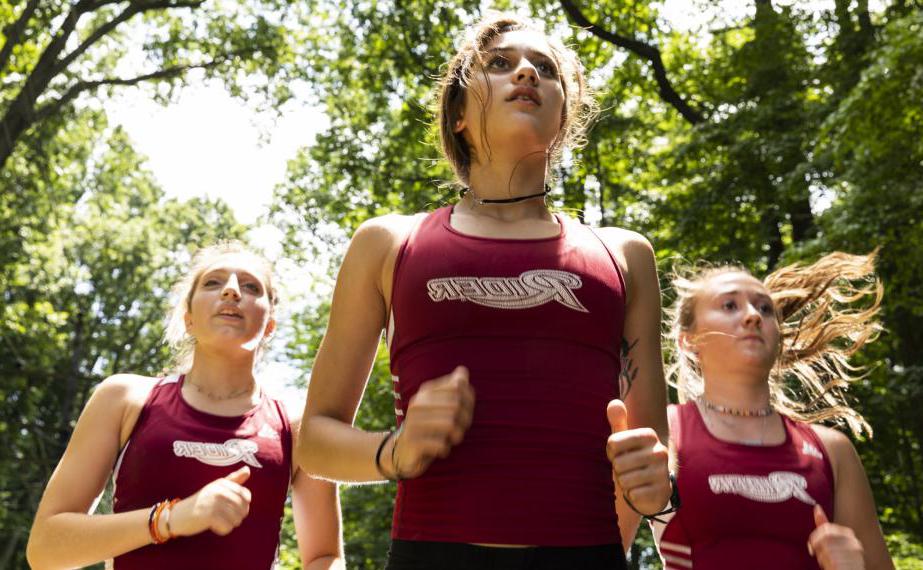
(508, 328)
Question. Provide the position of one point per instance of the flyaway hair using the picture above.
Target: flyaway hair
(826, 312)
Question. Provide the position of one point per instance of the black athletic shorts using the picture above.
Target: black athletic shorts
(423, 555)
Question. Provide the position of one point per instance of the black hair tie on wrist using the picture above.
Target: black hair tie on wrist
(381, 447)
(672, 506)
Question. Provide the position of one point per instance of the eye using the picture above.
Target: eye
(211, 282)
(253, 288)
(498, 62)
(547, 68)
(729, 305)
(767, 308)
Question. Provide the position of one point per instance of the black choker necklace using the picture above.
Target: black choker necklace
(482, 201)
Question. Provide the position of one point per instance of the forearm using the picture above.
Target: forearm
(69, 540)
(335, 450)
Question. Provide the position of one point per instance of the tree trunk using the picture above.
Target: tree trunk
(11, 542)
(21, 113)
(78, 346)
(802, 218)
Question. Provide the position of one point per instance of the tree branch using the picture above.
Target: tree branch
(647, 51)
(13, 33)
(19, 115)
(107, 28)
(165, 73)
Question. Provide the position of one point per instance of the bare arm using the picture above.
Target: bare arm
(64, 535)
(329, 446)
(642, 384)
(316, 510)
(854, 506)
(437, 415)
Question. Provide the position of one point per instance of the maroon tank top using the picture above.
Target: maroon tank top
(745, 506)
(175, 450)
(538, 323)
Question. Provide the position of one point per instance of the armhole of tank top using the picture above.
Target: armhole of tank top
(288, 437)
(615, 264)
(390, 327)
(822, 447)
(142, 414)
(674, 421)
(673, 554)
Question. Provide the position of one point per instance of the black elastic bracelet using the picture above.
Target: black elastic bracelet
(150, 517)
(674, 503)
(381, 446)
(397, 438)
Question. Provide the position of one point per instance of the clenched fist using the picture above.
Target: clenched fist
(219, 506)
(835, 546)
(640, 463)
(437, 418)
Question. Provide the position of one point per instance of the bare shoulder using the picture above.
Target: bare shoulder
(632, 245)
(839, 449)
(383, 231)
(118, 400)
(634, 254)
(127, 389)
(834, 440)
(374, 249)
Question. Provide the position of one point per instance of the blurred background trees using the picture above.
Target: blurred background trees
(765, 135)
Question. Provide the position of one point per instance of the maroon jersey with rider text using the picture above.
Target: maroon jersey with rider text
(538, 323)
(745, 506)
(175, 450)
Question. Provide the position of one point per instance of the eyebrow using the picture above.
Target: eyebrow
(737, 292)
(244, 274)
(528, 50)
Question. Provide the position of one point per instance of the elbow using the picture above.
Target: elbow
(326, 562)
(305, 450)
(34, 551)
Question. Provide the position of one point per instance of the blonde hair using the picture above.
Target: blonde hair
(181, 342)
(580, 107)
(826, 313)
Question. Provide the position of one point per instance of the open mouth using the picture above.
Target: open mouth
(525, 94)
(230, 313)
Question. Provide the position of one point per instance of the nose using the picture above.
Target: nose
(526, 72)
(231, 288)
(753, 317)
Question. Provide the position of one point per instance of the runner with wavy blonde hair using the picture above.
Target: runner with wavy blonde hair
(757, 364)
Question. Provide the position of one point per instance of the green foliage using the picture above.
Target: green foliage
(906, 550)
(85, 289)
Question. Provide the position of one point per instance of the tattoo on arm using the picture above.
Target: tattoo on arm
(629, 368)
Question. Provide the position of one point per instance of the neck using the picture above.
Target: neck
(740, 393)
(505, 178)
(220, 374)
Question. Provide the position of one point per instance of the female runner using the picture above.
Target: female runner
(202, 460)
(505, 325)
(757, 365)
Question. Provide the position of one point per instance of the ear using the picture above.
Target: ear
(270, 327)
(459, 125)
(187, 320)
(687, 344)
